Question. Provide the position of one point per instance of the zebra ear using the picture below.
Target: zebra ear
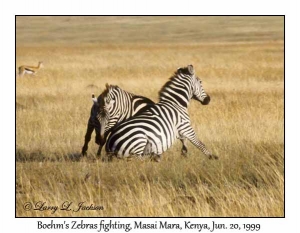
(107, 86)
(94, 99)
(191, 69)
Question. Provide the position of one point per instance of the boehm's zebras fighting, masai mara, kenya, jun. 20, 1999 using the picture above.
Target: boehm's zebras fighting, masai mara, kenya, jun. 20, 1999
(154, 130)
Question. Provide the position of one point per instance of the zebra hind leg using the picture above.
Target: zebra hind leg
(155, 158)
(148, 148)
(212, 156)
(148, 151)
(191, 136)
(184, 148)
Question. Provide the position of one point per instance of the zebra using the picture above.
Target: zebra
(112, 106)
(154, 130)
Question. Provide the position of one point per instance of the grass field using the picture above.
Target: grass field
(240, 61)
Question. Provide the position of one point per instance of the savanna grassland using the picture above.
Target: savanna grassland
(241, 63)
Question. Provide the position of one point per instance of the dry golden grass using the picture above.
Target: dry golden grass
(243, 125)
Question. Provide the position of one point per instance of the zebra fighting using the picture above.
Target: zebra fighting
(154, 130)
(114, 105)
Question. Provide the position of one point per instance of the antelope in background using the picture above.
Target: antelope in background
(29, 69)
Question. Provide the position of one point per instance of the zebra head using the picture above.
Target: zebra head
(198, 91)
(100, 113)
(109, 111)
(194, 85)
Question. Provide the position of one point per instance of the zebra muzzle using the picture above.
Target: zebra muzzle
(206, 100)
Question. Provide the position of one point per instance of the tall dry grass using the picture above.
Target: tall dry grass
(243, 125)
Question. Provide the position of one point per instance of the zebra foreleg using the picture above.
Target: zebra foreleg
(102, 141)
(87, 139)
(191, 136)
(97, 137)
(97, 131)
(100, 148)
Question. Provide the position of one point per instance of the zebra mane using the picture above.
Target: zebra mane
(184, 70)
(101, 97)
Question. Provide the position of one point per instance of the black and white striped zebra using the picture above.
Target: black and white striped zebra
(154, 130)
(114, 105)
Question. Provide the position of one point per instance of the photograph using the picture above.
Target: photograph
(150, 116)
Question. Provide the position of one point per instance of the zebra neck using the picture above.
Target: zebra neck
(175, 98)
(177, 91)
(174, 101)
(126, 105)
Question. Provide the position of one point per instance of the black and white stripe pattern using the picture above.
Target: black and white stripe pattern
(154, 130)
(113, 106)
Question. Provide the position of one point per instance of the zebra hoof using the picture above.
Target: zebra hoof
(108, 157)
(214, 157)
(104, 159)
(184, 153)
(156, 158)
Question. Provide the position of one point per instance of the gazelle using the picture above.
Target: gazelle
(29, 69)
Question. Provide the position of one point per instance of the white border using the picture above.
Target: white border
(10, 8)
